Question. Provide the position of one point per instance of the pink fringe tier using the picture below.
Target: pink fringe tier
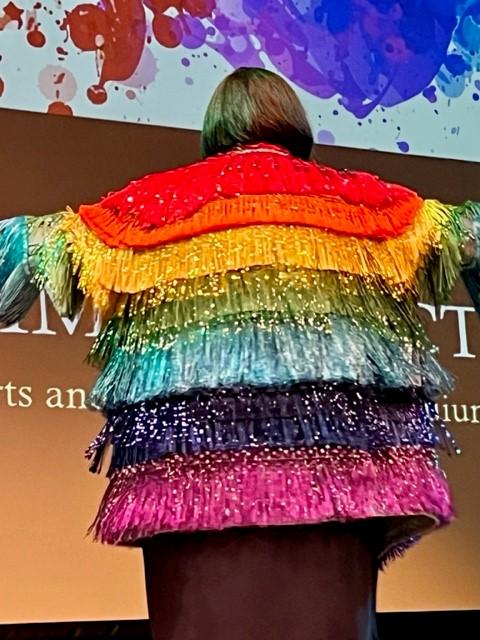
(265, 487)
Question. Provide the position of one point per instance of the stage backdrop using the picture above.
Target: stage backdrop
(394, 75)
(50, 570)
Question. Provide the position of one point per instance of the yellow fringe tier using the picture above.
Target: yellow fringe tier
(102, 270)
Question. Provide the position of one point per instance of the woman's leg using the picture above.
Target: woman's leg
(276, 583)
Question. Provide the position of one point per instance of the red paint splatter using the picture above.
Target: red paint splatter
(117, 32)
(87, 23)
(60, 78)
(199, 8)
(2, 87)
(60, 109)
(168, 31)
(97, 94)
(13, 14)
(160, 6)
(36, 38)
(130, 94)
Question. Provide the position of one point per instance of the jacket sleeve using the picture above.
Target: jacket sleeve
(33, 256)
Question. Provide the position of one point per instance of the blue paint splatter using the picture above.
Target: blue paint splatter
(371, 53)
(456, 64)
(403, 146)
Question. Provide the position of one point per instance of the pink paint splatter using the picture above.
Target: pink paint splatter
(57, 84)
(145, 73)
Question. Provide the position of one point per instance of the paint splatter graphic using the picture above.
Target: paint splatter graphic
(370, 53)
(357, 63)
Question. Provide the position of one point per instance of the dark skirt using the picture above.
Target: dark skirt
(276, 583)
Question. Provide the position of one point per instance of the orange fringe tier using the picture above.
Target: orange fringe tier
(323, 212)
(102, 269)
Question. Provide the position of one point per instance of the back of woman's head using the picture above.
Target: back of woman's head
(255, 105)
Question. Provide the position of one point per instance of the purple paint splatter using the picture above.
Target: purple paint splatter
(325, 137)
(369, 52)
(430, 93)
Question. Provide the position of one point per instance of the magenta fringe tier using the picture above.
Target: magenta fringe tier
(264, 487)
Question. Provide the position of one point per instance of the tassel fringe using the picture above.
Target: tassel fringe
(327, 212)
(54, 268)
(306, 297)
(17, 290)
(267, 487)
(233, 419)
(165, 198)
(262, 356)
(13, 246)
(18, 294)
(120, 270)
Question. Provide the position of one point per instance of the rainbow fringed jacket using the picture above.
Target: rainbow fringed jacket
(261, 358)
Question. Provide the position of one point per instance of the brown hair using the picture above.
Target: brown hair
(254, 105)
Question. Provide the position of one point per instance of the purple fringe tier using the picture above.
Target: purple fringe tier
(232, 419)
(266, 487)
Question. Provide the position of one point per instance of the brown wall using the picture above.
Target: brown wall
(49, 570)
